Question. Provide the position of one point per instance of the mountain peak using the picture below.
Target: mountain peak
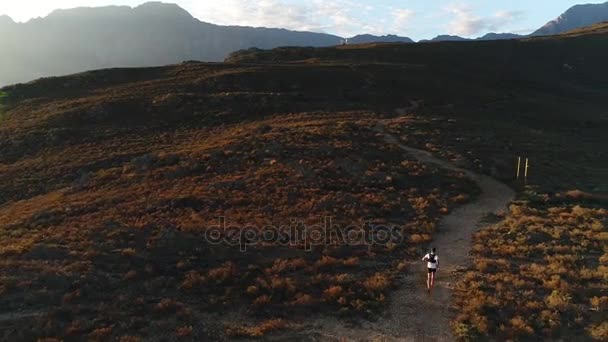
(575, 17)
(499, 36)
(152, 10)
(448, 38)
(157, 8)
(4, 18)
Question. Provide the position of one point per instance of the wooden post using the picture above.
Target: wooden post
(518, 166)
(526, 170)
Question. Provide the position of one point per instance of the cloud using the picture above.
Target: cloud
(251, 13)
(342, 17)
(466, 23)
(401, 19)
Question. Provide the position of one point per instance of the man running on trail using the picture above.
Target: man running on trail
(432, 265)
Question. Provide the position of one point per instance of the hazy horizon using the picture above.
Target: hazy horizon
(346, 18)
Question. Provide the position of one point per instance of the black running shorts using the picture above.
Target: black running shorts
(432, 270)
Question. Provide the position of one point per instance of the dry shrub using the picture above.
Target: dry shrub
(351, 262)
(193, 279)
(520, 326)
(599, 332)
(377, 282)
(223, 273)
(261, 301)
(416, 238)
(185, 331)
(252, 290)
(550, 318)
(463, 332)
(282, 265)
(101, 333)
(460, 199)
(480, 323)
(302, 299)
(128, 252)
(167, 305)
(71, 296)
(287, 285)
(182, 264)
(558, 300)
(132, 274)
(358, 304)
(420, 238)
(332, 293)
(258, 330)
(401, 266)
(76, 327)
(420, 204)
(482, 265)
(129, 338)
(342, 278)
(599, 303)
(326, 261)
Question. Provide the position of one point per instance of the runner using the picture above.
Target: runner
(432, 264)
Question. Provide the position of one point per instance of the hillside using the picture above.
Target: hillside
(119, 36)
(575, 17)
(112, 180)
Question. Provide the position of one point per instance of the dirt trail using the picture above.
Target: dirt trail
(413, 315)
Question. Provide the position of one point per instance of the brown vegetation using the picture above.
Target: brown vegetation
(115, 221)
(540, 272)
(109, 183)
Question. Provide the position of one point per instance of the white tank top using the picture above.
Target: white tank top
(430, 264)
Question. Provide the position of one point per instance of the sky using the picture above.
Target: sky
(417, 19)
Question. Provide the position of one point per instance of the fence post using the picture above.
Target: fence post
(526, 170)
(518, 166)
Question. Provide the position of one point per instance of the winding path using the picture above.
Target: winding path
(413, 315)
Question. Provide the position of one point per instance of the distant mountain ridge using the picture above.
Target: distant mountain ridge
(74, 40)
(156, 33)
(488, 36)
(368, 38)
(576, 17)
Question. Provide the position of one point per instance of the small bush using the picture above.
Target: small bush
(258, 330)
(377, 282)
(185, 331)
(303, 300)
(222, 273)
(599, 332)
(332, 293)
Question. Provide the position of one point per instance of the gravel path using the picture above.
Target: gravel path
(413, 315)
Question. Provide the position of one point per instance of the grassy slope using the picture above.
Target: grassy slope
(110, 177)
(543, 98)
(3, 96)
(540, 272)
(107, 176)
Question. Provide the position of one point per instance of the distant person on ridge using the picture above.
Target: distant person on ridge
(432, 264)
